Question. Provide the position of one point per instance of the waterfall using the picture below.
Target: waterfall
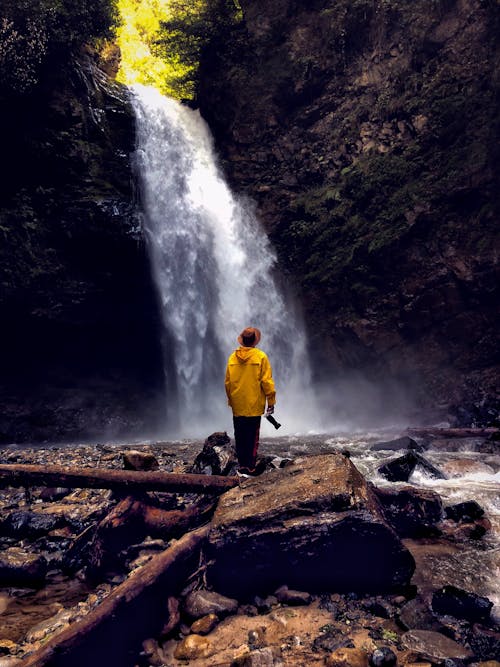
(214, 270)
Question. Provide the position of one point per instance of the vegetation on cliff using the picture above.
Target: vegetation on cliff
(36, 35)
(161, 41)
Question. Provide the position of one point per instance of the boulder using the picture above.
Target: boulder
(201, 603)
(192, 647)
(401, 469)
(467, 511)
(136, 460)
(28, 525)
(417, 615)
(399, 443)
(434, 646)
(453, 601)
(315, 525)
(294, 598)
(411, 512)
(485, 642)
(205, 624)
(21, 568)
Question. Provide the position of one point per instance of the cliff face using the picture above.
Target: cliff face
(79, 343)
(367, 131)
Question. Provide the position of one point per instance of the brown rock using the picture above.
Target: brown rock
(192, 647)
(205, 624)
(314, 525)
(202, 603)
(434, 646)
(135, 460)
(20, 568)
(347, 657)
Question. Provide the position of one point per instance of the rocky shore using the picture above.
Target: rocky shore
(307, 564)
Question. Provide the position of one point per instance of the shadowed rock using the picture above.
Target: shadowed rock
(411, 512)
(20, 568)
(456, 602)
(315, 525)
(400, 469)
(434, 646)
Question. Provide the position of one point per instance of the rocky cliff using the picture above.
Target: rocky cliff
(367, 131)
(79, 341)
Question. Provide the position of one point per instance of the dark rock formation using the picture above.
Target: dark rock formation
(400, 469)
(314, 525)
(368, 134)
(467, 511)
(453, 601)
(79, 343)
(21, 568)
(411, 512)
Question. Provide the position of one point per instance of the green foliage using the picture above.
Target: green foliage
(193, 26)
(162, 41)
(34, 31)
(338, 227)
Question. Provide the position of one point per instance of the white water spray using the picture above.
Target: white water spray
(213, 267)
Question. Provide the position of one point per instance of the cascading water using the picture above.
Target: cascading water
(213, 267)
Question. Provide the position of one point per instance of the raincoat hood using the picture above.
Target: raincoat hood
(244, 354)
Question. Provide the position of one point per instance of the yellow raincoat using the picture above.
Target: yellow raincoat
(249, 382)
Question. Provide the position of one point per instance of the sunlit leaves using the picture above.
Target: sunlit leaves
(161, 40)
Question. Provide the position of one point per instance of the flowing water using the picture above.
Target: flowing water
(472, 473)
(214, 271)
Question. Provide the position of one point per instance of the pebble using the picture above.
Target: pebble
(205, 624)
(192, 647)
(347, 657)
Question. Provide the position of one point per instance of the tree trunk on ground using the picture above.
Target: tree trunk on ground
(101, 478)
(119, 621)
(131, 520)
(454, 432)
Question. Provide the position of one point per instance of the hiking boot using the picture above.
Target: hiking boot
(246, 472)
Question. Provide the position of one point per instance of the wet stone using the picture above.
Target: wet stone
(192, 647)
(467, 511)
(205, 624)
(20, 568)
(136, 460)
(288, 596)
(202, 603)
(347, 657)
(433, 646)
(262, 657)
(383, 657)
(28, 525)
(416, 615)
(456, 602)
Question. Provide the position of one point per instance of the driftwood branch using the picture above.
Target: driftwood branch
(453, 432)
(131, 520)
(129, 481)
(65, 649)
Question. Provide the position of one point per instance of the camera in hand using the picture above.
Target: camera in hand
(273, 421)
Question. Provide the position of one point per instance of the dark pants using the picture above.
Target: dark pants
(246, 436)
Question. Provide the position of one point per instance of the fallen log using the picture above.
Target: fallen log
(454, 432)
(131, 520)
(105, 629)
(103, 478)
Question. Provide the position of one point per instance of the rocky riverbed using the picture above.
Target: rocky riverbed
(445, 613)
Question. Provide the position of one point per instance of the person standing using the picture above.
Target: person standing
(249, 385)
